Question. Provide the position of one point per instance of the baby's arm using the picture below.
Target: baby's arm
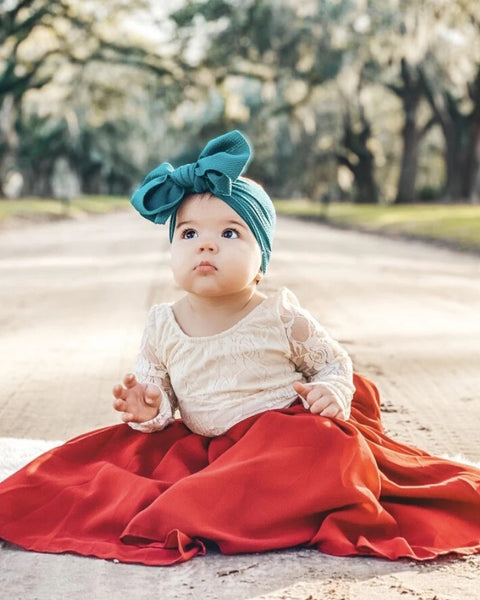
(328, 387)
(146, 398)
(138, 402)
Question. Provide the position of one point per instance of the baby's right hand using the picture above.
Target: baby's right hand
(138, 402)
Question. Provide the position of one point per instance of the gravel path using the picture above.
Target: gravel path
(73, 299)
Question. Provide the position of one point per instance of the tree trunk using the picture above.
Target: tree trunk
(473, 153)
(406, 191)
(8, 139)
(462, 160)
(355, 140)
(410, 93)
(366, 186)
(455, 156)
(462, 139)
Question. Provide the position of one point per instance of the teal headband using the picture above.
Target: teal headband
(217, 171)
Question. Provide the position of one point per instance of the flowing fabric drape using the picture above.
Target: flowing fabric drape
(279, 479)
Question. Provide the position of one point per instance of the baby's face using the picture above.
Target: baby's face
(214, 252)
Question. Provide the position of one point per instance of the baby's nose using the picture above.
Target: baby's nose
(207, 246)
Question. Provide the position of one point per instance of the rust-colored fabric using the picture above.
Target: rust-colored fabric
(279, 479)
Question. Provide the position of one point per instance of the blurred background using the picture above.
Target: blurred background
(361, 101)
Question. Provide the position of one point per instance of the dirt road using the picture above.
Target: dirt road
(73, 299)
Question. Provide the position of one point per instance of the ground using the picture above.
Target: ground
(73, 300)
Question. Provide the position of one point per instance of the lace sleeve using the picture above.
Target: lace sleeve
(317, 355)
(149, 369)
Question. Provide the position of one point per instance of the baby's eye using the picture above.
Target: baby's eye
(188, 234)
(230, 233)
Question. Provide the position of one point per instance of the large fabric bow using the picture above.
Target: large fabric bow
(220, 163)
(217, 171)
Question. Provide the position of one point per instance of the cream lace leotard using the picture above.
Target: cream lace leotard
(216, 381)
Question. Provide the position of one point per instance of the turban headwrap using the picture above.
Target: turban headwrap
(217, 170)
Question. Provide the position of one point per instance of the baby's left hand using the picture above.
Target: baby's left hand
(320, 399)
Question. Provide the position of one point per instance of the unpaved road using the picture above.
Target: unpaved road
(73, 298)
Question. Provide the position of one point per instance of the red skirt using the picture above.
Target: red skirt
(279, 479)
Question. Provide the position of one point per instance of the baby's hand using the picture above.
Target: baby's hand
(138, 402)
(320, 399)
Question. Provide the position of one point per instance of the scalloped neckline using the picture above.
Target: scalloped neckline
(220, 334)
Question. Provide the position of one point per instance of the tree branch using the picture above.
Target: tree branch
(426, 128)
(440, 113)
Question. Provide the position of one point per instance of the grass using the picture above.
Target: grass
(40, 209)
(455, 225)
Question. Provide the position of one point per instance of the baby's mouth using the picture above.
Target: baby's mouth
(205, 267)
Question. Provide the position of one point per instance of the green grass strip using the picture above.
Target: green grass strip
(456, 225)
(40, 209)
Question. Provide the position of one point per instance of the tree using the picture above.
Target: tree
(450, 80)
(425, 54)
(461, 131)
(43, 41)
(387, 43)
(317, 85)
(411, 94)
(266, 61)
(358, 157)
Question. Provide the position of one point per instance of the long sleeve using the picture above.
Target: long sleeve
(150, 370)
(317, 355)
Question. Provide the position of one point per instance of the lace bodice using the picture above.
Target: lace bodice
(216, 381)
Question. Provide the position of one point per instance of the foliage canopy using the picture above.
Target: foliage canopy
(370, 100)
